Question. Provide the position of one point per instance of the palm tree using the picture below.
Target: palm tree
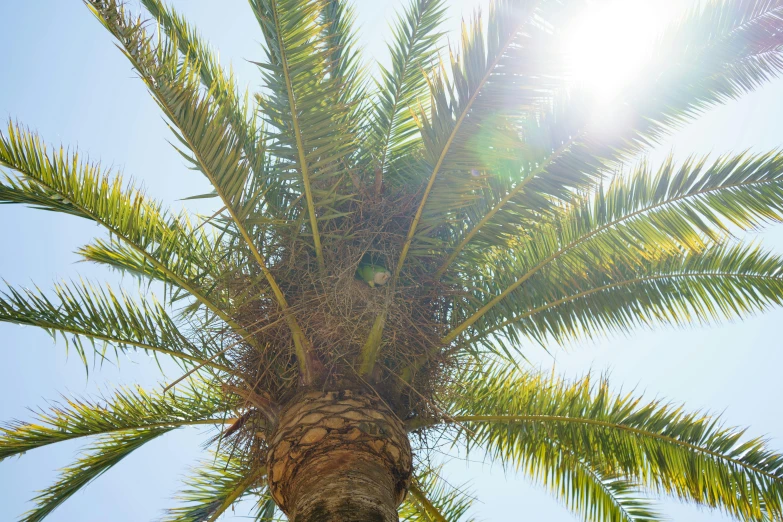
(382, 246)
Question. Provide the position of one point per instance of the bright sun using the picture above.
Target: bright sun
(608, 45)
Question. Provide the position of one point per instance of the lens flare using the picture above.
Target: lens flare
(608, 46)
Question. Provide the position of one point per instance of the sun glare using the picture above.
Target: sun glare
(608, 46)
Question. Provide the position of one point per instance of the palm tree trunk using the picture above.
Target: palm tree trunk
(339, 456)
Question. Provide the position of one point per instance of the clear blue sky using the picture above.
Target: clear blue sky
(62, 76)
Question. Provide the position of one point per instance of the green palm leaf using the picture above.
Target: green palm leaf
(104, 454)
(486, 73)
(719, 282)
(592, 494)
(84, 313)
(307, 109)
(210, 143)
(202, 129)
(638, 218)
(403, 86)
(61, 182)
(343, 59)
(127, 410)
(123, 258)
(239, 114)
(508, 413)
(215, 486)
(430, 499)
(487, 70)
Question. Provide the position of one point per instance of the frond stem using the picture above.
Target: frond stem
(431, 511)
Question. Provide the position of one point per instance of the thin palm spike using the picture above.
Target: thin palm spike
(237, 493)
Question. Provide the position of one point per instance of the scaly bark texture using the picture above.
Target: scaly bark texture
(339, 456)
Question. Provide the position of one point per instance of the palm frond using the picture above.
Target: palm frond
(108, 451)
(214, 487)
(121, 257)
(716, 283)
(222, 86)
(635, 220)
(489, 71)
(430, 499)
(338, 20)
(209, 143)
(403, 86)
(714, 55)
(307, 108)
(265, 510)
(509, 413)
(485, 72)
(592, 494)
(127, 410)
(201, 128)
(344, 62)
(82, 313)
(61, 182)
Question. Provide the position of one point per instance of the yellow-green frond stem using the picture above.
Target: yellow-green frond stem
(431, 512)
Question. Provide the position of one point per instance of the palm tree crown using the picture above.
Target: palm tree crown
(395, 237)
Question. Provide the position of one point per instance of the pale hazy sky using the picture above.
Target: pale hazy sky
(62, 76)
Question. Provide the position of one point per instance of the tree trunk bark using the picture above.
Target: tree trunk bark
(339, 456)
